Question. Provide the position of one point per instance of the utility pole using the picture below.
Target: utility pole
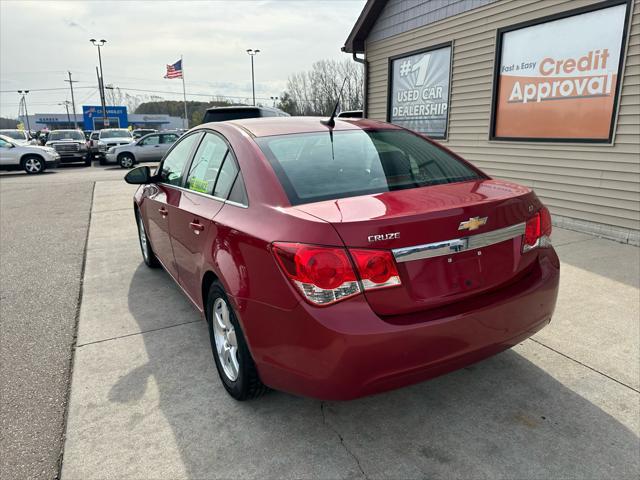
(66, 105)
(73, 100)
(23, 100)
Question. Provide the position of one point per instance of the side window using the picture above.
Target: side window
(238, 193)
(152, 140)
(95, 136)
(175, 161)
(226, 177)
(206, 164)
(3, 143)
(168, 138)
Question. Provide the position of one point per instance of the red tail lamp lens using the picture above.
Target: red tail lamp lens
(532, 231)
(322, 274)
(537, 230)
(377, 268)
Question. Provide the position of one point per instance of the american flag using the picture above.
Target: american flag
(175, 70)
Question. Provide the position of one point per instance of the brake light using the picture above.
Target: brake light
(537, 231)
(377, 268)
(323, 275)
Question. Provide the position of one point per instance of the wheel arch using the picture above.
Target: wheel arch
(124, 153)
(24, 157)
(207, 280)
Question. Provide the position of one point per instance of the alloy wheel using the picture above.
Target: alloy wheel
(143, 239)
(33, 165)
(126, 161)
(225, 338)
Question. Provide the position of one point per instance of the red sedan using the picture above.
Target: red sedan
(341, 262)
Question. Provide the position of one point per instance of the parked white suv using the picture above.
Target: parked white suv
(17, 136)
(31, 158)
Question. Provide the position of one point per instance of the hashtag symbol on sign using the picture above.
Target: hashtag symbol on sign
(405, 68)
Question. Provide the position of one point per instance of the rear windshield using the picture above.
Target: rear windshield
(222, 115)
(311, 167)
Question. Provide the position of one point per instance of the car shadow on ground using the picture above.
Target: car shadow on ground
(503, 417)
(22, 173)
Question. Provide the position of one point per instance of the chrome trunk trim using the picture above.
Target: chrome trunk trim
(448, 247)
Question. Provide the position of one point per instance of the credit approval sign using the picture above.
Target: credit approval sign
(558, 80)
(419, 90)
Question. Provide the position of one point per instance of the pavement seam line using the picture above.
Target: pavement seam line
(342, 442)
(139, 333)
(74, 345)
(576, 241)
(585, 365)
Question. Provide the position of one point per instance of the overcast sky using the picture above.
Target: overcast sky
(40, 41)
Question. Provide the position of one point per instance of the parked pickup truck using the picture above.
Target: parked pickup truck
(70, 145)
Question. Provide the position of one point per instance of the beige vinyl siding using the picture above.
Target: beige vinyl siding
(591, 182)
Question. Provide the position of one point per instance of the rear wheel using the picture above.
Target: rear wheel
(148, 256)
(126, 160)
(233, 360)
(33, 164)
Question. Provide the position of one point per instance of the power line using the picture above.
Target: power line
(43, 89)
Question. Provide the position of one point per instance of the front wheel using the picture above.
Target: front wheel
(126, 160)
(233, 360)
(33, 164)
(148, 255)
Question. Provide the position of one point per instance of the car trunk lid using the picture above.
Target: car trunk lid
(443, 250)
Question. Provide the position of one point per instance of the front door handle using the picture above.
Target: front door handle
(196, 227)
(163, 211)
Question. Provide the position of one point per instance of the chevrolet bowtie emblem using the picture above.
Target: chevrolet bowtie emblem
(473, 223)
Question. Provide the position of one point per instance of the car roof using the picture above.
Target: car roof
(267, 126)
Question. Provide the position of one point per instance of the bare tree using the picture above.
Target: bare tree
(315, 92)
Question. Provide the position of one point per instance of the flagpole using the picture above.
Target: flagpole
(184, 94)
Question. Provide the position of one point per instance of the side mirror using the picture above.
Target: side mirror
(138, 176)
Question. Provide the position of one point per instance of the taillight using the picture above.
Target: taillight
(325, 275)
(537, 232)
(377, 268)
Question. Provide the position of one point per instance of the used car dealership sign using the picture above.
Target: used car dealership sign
(419, 94)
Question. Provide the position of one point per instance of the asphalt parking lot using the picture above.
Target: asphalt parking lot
(146, 402)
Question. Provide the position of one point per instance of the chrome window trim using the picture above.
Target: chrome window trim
(230, 202)
(456, 245)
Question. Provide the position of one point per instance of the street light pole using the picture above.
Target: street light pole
(101, 81)
(252, 53)
(26, 112)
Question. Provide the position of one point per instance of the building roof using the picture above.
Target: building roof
(360, 31)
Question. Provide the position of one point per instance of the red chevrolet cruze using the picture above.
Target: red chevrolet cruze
(341, 262)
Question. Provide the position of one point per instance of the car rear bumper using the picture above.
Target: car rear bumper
(346, 351)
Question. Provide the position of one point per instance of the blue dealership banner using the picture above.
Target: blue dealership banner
(93, 117)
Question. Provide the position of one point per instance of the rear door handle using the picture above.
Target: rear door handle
(163, 211)
(196, 227)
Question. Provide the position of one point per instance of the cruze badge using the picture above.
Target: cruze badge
(473, 223)
(384, 236)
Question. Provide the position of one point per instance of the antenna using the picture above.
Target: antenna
(332, 122)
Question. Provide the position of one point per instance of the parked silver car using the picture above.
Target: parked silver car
(150, 148)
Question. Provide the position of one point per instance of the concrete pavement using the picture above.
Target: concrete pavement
(146, 401)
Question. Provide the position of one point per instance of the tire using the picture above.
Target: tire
(102, 160)
(126, 160)
(148, 255)
(224, 331)
(33, 164)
